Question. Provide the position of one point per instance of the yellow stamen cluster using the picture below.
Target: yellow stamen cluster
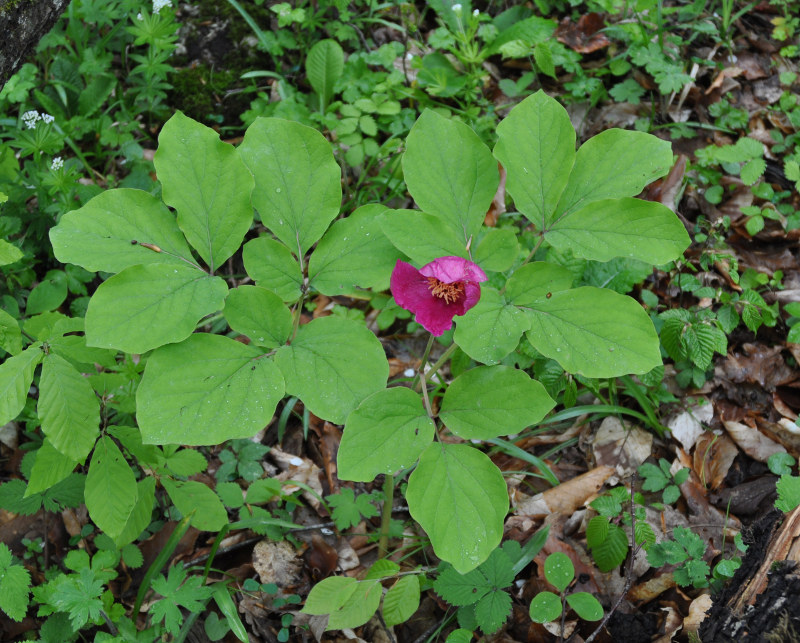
(449, 292)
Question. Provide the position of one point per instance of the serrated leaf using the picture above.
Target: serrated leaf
(609, 228)
(15, 582)
(423, 237)
(461, 589)
(596, 531)
(450, 172)
(753, 170)
(612, 551)
(536, 145)
(401, 601)
(491, 329)
(489, 401)
(260, 314)
(272, 266)
(110, 488)
(644, 534)
(586, 606)
(195, 498)
(354, 253)
(144, 307)
(206, 390)
(387, 432)
(492, 611)
(498, 568)
(545, 607)
(594, 332)
(559, 570)
(68, 408)
(459, 636)
(298, 183)
(16, 376)
(700, 341)
(459, 497)
(333, 364)
(12, 498)
(690, 541)
(100, 235)
(208, 184)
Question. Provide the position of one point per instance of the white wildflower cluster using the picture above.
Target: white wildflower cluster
(139, 16)
(158, 5)
(57, 163)
(456, 8)
(476, 13)
(31, 117)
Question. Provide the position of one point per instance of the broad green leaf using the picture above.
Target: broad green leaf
(385, 433)
(142, 512)
(559, 570)
(489, 401)
(603, 230)
(15, 586)
(206, 390)
(493, 610)
(49, 294)
(545, 607)
(612, 551)
(498, 249)
(358, 608)
(421, 236)
(9, 253)
(459, 636)
(450, 172)
(614, 164)
(273, 267)
(16, 376)
(68, 408)
(298, 183)
(490, 330)
(586, 606)
(332, 365)
(50, 467)
(191, 497)
(594, 332)
(535, 280)
(354, 253)
(145, 307)
(260, 314)
(73, 348)
(208, 185)
(10, 334)
(50, 325)
(459, 497)
(329, 595)
(788, 488)
(536, 145)
(382, 568)
(108, 232)
(186, 462)
(401, 601)
(324, 66)
(224, 600)
(110, 488)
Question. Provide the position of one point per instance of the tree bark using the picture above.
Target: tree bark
(22, 24)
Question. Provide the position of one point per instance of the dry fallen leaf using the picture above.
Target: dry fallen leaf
(568, 496)
(754, 443)
(277, 562)
(713, 457)
(687, 426)
(622, 447)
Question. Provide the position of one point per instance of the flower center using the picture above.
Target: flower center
(449, 292)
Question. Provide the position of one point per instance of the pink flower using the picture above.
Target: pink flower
(437, 292)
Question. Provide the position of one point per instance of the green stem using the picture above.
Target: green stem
(298, 311)
(422, 363)
(439, 362)
(386, 515)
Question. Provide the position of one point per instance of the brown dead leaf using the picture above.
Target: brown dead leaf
(300, 470)
(673, 622)
(321, 558)
(585, 35)
(498, 204)
(622, 447)
(759, 364)
(752, 441)
(697, 612)
(568, 496)
(713, 457)
(278, 562)
(719, 79)
(687, 426)
(652, 588)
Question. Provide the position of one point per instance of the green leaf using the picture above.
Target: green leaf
(614, 164)
(752, 171)
(459, 497)
(12, 498)
(498, 568)
(492, 611)
(489, 401)
(139, 518)
(459, 636)
(387, 432)
(543, 55)
(586, 606)
(223, 599)
(324, 66)
(208, 184)
(298, 182)
(16, 377)
(329, 595)
(450, 172)
(68, 408)
(491, 329)
(110, 488)
(178, 591)
(421, 236)
(195, 498)
(186, 462)
(401, 601)
(535, 280)
(603, 230)
(333, 364)
(358, 608)
(382, 568)
(559, 570)
(145, 307)
(50, 467)
(15, 582)
(49, 294)
(594, 332)
(260, 314)
(354, 253)
(272, 266)
(108, 232)
(206, 390)
(10, 334)
(498, 249)
(545, 607)
(612, 551)
(461, 589)
(9, 253)
(596, 531)
(536, 145)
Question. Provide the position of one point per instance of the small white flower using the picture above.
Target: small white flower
(47, 118)
(139, 16)
(57, 163)
(409, 372)
(476, 13)
(409, 56)
(30, 118)
(158, 5)
(456, 8)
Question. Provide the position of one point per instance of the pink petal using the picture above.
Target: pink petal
(409, 288)
(436, 316)
(452, 269)
(472, 292)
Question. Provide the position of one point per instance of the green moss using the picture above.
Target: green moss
(199, 92)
